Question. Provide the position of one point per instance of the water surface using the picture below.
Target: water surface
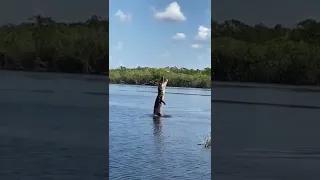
(141, 148)
(53, 126)
(265, 132)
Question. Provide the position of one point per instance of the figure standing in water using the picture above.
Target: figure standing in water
(157, 109)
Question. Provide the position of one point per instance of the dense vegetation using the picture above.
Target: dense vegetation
(266, 54)
(41, 44)
(178, 77)
(239, 52)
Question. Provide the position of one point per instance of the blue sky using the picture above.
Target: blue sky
(160, 33)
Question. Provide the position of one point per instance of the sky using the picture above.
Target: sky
(160, 33)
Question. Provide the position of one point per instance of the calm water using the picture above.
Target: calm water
(265, 132)
(141, 148)
(53, 126)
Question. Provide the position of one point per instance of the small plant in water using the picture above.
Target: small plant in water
(206, 142)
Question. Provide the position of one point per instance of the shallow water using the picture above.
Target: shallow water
(141, 148)
(53, 126)
(265, 132)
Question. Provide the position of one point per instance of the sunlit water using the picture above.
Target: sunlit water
(53, 126)
(265, 132)
(141, 148)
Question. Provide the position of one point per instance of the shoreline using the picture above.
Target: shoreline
(54, 72)
(215, 83)
(228, 84)
(155, 85)
(235, 84)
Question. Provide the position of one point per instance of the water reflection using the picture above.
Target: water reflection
(158, 134)
(157, 126)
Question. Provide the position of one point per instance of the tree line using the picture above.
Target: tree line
(178, 77)
(240, 52)
(258, 53)
(42, 44)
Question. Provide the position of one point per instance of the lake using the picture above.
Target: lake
(264, 132)
(141, 148)
(53, 126)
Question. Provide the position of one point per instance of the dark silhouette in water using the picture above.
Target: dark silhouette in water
(157, 109)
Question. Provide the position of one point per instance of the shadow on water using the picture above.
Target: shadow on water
(160, 117)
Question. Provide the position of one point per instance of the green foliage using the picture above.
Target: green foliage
(45, 45)
(178, 77)
(262, 54)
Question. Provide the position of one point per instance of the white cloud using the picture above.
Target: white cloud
(171, 13)
(179, 36)
(119, 46)
(122, 16)
(204, 33)
(196, 46)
